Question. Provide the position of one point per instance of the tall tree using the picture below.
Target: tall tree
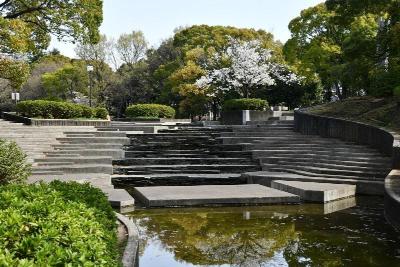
(131, 47)
(26, 26)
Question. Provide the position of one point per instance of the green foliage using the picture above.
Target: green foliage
(245, 104)
(13, 165)
(16, 72)
(25, 26)
(396, 93)
(66, 81)
(101, 113)
(56, 110)
(150, 110)
(60, 224)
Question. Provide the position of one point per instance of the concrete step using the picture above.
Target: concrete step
(316, 192)
(171, 196)
(329, 171)
(373, 162)
(180, 161)
(299, 153)
(82, 168)
(366, 187)
(177, 179)
(77, 160)
(316, 156)
(114, 153)
(329, 165)
(80, 140)
(189, 168)
(338, 176)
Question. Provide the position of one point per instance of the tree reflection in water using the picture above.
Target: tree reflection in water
(299, 235)
(216, 238)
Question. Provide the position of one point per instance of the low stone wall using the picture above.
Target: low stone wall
(385, 141)
(53, 122)
(130, 257)
(240, 117)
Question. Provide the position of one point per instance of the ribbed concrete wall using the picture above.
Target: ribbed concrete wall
(385, 141)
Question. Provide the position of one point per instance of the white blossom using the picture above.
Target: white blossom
(251, 67)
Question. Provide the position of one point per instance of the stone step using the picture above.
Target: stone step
(171, 196)
(315, 192)
(77, 160)
(326, 171)
(79, 140)
(177, 179)
(330, 165)
(114, 153)
(366, 187)
(87, 146)
(180, 161)
(299, 153)
(315, 156)
(82, 168)
(373, 162)
(323, 175)
(186, 153)
(188, 168)
(52, 163)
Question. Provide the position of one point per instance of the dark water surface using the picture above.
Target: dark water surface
(351, 232)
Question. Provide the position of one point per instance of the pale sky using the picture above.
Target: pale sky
(158, 18)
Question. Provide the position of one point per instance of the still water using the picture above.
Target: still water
(351, 232)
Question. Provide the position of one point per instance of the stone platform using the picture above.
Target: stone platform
(316, 192)
(203, 195)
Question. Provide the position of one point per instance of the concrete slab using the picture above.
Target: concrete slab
(316, 192)
(120, 199)
(203, 195)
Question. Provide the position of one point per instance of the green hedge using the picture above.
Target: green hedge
(58, 110)
(245, 104)
(13, 165)
(56, 224)
(150, 111)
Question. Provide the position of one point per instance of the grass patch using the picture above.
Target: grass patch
(382, 112)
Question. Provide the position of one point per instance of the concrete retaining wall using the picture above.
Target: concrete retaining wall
(53, 122)
(240, 117)
(385, 141)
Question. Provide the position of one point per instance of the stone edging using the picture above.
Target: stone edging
(130, 257)
(382, 139)
(53, 122)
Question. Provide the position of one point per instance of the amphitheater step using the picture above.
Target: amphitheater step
(316, 192)
(171, 196)
(177, 179)
(366, 187)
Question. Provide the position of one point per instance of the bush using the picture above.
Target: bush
(101, 113)
(13, 165)
(56, 224)
(150, 110)
(245, 104)
(396, 93)
(56, 110)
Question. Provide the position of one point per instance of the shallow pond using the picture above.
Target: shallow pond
(351, 232)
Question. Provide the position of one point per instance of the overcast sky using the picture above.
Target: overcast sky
(158, 18)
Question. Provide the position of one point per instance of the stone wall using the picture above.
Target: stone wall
(53, 122)
(385, 141)
(241, 117)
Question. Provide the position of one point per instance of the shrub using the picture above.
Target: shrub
(245, 104)
(396, 93)
(150, 110)
(56, 110)
(101, 113)
(87, 112)
(13, 165)
(56, 224)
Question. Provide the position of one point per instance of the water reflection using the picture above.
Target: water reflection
(302, 235)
